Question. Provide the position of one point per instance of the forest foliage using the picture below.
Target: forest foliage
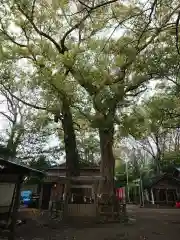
(78, 74)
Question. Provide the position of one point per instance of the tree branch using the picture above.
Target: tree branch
(103, 4)
(24, 102)
(177, 32)
(33, 8)
(4, 31)
(61, 49)
(120, 23)
(84, 4)
(147, 149)
(41, 33)
(142, 79)
(6, 116)
(149, 20)
(137, 93)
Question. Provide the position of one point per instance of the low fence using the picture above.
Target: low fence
(82, 210)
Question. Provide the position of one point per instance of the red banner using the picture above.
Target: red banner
(120, 193)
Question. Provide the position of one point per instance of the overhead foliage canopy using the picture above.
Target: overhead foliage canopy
(91, 58)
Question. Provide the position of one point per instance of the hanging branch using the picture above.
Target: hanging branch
(33, 8)
(177, 33)
(152, 9)
(21, 100)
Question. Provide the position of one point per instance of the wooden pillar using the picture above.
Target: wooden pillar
(147, 195)
(67, 191)
(158, 196)
(166, 196)
(152, 196)
(93, 192)
(15, 208)
(174, 196)
(60, 191)
(177, 194)
(41, 196)
(134, 194)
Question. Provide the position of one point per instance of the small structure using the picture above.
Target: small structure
(163, 190)
(69, 197)
(55, 181)
(73, 196)
(11, 177)
(80, 199)
(80, 196)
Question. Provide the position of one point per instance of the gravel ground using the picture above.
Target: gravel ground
(145, 224)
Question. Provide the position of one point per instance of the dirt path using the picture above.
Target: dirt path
(146, 224)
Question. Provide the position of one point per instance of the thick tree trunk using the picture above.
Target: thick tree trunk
(158, 166)
(14, 141)
(158, 155)
(72, 156)
(107, 160)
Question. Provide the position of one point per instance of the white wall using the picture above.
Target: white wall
(6, 193)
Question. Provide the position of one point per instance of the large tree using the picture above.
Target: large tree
(65, 46)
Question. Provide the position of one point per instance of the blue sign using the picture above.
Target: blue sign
(26, 197)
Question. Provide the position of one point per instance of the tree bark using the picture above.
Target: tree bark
(107, 160)
(72, 156)
(158, 155)
(158, 165)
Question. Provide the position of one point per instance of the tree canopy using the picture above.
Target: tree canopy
(84, 67)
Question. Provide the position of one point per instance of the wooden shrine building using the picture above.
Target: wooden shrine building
(83, 189)
(164, 189)
(12, 176)
(55, 181)
(77, 196)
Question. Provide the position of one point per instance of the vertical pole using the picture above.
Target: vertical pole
(152, 196)
(142, 193)
(158, 196)
(177, 195)
(40, 196)
(93, 192)
(166, 196)
(135, 194)
(127, 181)
(66, 198)
(174, 196)
(139, 188)
(147, 195)
(15, 208)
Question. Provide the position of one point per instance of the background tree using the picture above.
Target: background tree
(27, 133)
(13, 116)
(152, 128)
